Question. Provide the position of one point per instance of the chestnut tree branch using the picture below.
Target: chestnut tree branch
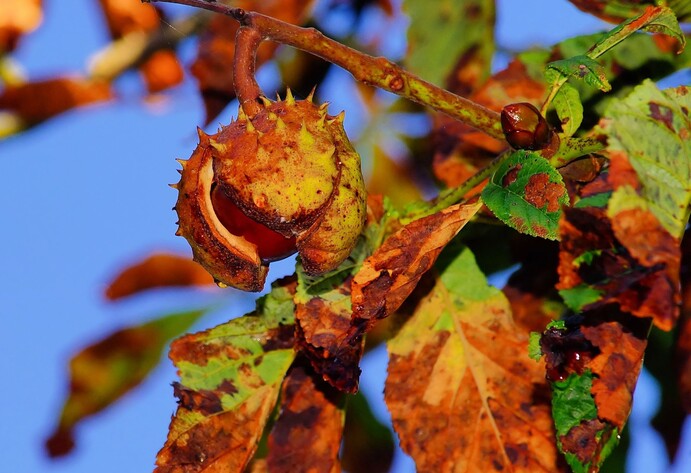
(375, 71)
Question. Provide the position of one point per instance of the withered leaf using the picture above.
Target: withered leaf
(103, 372)
(323, 315)
(307, 434)
(392, 272)
(35, 102)
(621, 255)
(604, 348)
(230, 377)
(18, 17)
(157, 270)
(462, 392)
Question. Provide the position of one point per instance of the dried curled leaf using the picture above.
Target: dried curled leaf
(157, 270)
(103, 372)
(462, 392)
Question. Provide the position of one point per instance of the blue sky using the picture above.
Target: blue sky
(87, 192)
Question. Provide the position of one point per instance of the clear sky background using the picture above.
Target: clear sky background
(88, 192)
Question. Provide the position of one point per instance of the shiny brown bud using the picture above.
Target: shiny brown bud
(524, 127)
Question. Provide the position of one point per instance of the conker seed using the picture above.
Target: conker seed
(271, 245)
(524, 127)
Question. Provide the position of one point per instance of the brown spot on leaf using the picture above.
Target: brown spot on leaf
(581, 440)
(542, 193)
(204, 401)
(663, 114)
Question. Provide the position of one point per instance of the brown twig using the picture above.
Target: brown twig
(375, 71)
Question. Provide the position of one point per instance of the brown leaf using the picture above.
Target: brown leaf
(103, 372)
(616, 367)
(462, 392)
(157, 270)
(322, 327)
(18, 17)
(392, 272)
(38, 101)
(213, 66)
(634, 260)
(307, 434)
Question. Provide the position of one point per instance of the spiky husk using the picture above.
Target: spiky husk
(290, 168)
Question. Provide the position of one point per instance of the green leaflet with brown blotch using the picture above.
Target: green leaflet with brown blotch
(230, 377)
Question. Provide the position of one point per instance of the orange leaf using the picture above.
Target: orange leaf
(462, 392)
(126, 16)
(157, 270)
(161, 71)
(18, 17)
(307, 433)
(38, 101)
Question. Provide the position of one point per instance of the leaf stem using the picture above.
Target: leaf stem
(456, 194)
(375, 71)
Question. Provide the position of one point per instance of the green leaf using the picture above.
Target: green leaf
(527, 194)
(441, 32)
(230, 378)
(569, 108)
(583, 68)
(580, 296)
(654, 20)
(572, 402)
(653, 130)
(103, 372)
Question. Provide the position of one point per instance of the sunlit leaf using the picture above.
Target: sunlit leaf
(104, 371)
(569, 109)
(230, 377)
(307, 433)
(652, 130)
(527, 194)
(463, 394)
(155, 271)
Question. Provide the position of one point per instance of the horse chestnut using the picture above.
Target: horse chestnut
(524, 127)
(286, 178)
